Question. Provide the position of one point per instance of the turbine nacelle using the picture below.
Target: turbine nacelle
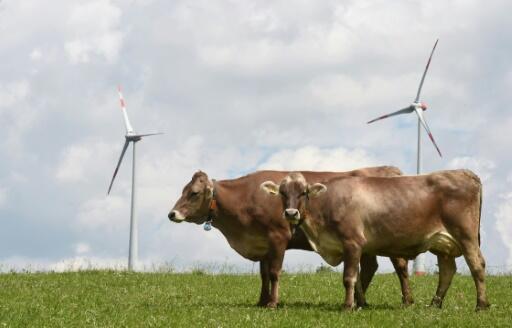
(130, 136)
(416, 106)
(420, 105)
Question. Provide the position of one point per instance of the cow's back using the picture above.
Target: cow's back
(378, 171)
(256, 213)
(455, 183)
(438, 204)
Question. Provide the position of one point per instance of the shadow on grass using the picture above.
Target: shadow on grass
(321, 306)
(336, 306)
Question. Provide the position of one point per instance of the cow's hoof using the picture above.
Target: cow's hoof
(363, 305)
(437, 302)
(262, 303)
(482, 306)
(348, 307)
(407, 301)
(271, 305)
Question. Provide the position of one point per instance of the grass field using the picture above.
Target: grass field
(116, 299)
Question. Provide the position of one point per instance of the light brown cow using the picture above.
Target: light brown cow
(253, 225)
(394, 216)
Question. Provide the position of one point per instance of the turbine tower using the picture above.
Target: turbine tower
(418, 107)
(132, 137)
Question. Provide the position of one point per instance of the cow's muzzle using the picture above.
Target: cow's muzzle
(176, 216)
(292, 215)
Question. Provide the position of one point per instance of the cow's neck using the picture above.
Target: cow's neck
(228, 215)
(323, 241)
(240, 230)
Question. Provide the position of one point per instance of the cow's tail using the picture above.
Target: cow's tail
(479, 214)
(477, 183)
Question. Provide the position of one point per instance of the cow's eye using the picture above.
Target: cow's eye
(194, 194)
(302, 194)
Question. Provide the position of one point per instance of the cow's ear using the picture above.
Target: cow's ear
(316, 190)
(270, 188)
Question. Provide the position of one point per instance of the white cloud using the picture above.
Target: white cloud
(82, 248)
(76, 263)
(314, 158)
(231, 83)
(36, 55)
(13, 93)
(19, 117)
(94, 29)
(104, 213)
(484, 168)
(81, 161)
(503, 216)
(3, 196)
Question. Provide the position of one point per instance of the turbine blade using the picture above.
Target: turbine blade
(127, 124)
(148, 134)
(118, 164)
(405, 110)
(425, 73)
(425, 125)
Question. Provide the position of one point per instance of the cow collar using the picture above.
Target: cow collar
(211, 209)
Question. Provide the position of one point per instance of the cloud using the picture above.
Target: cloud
(13, 93)
(82, 248)
(484, 168)
(235, 86)
(76, 263)
(315, 158)
(503, 215)
(80, 161)
(94, 30)
(17, 114)
(104, 213)
(36, 55)
(3, 196)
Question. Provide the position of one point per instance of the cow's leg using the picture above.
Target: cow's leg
(447, 268)
(350, 273)
(402, 271)
(476, 263)
(265, 282)
(359, 293)
(369, 266)
(275, 265)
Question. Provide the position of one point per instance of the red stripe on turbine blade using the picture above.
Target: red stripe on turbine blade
(433, 141)
(122, 102)
(378, 118)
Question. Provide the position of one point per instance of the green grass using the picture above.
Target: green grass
(116, 299)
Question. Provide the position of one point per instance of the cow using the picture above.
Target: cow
(401, 216)
(253, 225)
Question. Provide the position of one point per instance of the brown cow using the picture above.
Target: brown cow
(394, 216)
(253, 225)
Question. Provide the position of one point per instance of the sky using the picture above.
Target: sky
(236, 86)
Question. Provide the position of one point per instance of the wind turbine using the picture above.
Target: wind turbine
(133, 137)
(418, 107)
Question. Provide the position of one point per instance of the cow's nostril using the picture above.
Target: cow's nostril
(172, 215)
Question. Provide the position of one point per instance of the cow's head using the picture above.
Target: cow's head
(294, 192)
(194, 203)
